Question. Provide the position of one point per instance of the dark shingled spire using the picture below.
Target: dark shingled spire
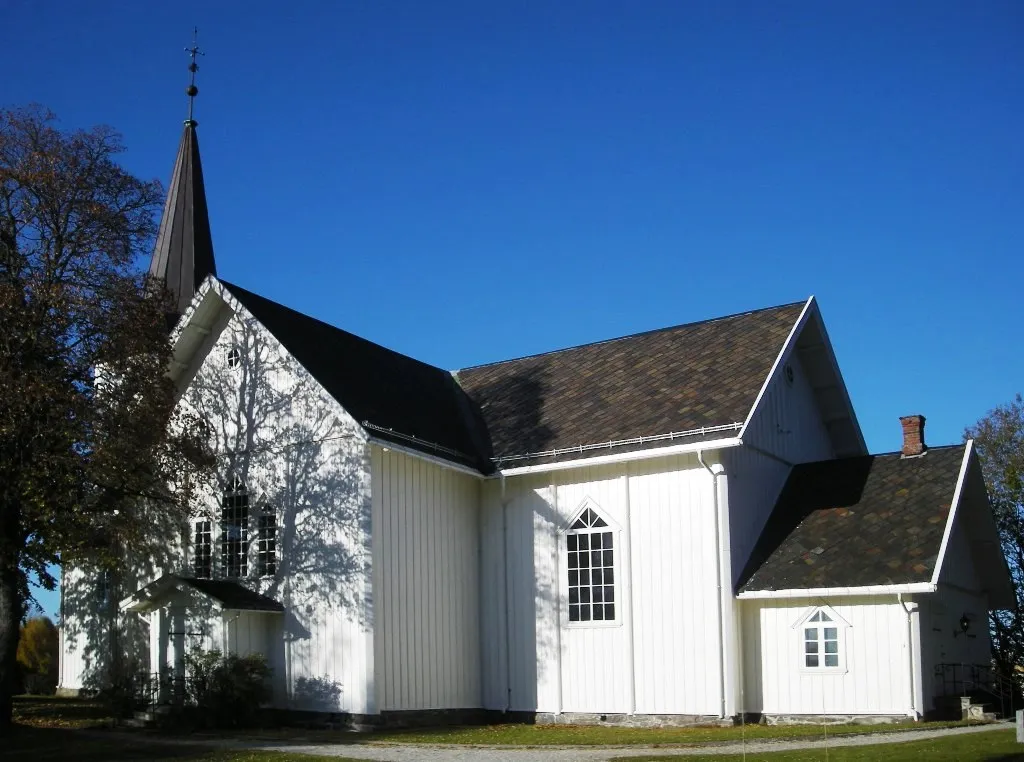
(183, 255)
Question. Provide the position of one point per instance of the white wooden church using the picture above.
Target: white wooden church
(672, 526)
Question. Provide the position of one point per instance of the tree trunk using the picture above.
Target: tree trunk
(10, 627)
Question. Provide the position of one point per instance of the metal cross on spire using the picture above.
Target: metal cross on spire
(193, 67)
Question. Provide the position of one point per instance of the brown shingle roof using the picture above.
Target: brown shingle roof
(677, 379)
(871, 520)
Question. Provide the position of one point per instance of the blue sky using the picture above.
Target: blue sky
(467, 182)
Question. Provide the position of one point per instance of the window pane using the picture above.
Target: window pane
(609, 594)
(571, 541)
(574, 578)
(595, 541)
(574, 613)
(597, 576)
(598, 612)
(585, 595)
(608, 558)
(811, 661)
(595, 557)
(831, 647)
(609, 611)
(609, 576)
(598, 595)
(811, 647)
(824, 617)
(816, 617)
(585, 613)
(831, 661)
(574, 595)
(574, 560)
(810, 633)
(607, 542)
(584, 542)
(584, 576)
(831, 633)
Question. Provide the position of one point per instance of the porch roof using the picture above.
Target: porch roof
(227, 594)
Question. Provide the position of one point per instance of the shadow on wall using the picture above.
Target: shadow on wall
(113, 647)
(277, 431)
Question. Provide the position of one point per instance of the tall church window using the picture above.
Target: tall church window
(203, 556)
(234, 529)
(590, 545)
(266, 544)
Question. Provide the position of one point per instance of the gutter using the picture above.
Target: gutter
(840, 592)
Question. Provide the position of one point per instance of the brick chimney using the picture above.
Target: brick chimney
(913, 435)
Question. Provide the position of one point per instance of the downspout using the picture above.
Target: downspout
(508, 606)
(908, 607)
(715, 471)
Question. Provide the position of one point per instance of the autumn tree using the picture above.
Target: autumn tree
(999, 437)
(38, 655)
(93, 452)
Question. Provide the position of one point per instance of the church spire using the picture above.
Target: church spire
(183, 255)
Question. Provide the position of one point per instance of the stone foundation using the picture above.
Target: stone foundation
(832, 719)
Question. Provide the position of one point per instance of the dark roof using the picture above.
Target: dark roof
(677, 379)
(394, 397)
(232, 595)
(183, 255)
(853, 522)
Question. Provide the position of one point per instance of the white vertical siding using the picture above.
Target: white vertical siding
(427, 595)
(661, 655)
(876, 680)
(942, 641)
(675, 588)
(787, 425)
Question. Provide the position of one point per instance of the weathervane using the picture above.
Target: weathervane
(193, 67)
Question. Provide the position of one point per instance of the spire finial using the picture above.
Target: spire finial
(193, 67)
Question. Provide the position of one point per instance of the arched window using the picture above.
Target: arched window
(234, 529)
(590, 550)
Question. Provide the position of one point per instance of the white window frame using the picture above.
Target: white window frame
(563, 558)
(266, 510)
(842, 640)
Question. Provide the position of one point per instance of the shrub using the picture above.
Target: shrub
(38, 654)
(228, 690)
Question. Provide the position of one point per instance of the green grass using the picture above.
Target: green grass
(603, 735)
(994, 746)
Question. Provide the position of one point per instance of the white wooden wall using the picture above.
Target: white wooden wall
(787, 425)
(426, 546)
(661, 656)
(877, 677)
(305, 458)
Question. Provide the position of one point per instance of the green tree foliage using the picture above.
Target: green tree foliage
(93, 454)
(38, 655)
(999, 437)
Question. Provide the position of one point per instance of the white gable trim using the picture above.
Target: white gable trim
(953, 508)
(783, 354)
(835, 592)
(623, 457)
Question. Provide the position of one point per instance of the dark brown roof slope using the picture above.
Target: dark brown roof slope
(395, 397)
(232, 595)
(871, 520)
(673, 380)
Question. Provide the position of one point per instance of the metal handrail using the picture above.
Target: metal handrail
(980, 676)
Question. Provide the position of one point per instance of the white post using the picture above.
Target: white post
(1020, 726)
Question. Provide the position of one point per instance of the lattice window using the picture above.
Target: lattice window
(203, 557)
(591, 564)
(266, 545)
(821, 641)
(234, 530)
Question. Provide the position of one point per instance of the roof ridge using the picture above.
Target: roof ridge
(889, 454)
(637, 335)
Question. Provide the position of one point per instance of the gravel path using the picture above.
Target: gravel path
(460, 753)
